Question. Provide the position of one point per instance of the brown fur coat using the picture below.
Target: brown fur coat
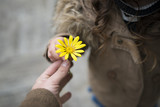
(117, 74)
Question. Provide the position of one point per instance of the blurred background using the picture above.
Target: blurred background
(25, 28)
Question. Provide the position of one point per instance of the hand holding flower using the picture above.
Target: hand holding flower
(53, 56)
(70, 48)
(61, 46)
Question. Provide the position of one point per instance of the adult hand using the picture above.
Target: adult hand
(54, 78)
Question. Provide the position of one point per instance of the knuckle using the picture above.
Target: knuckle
(63, 69)
(50, 58)
(49, 55)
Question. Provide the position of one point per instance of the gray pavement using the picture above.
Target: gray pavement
(24, 33)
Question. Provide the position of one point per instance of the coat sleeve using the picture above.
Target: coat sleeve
(71, 18)
(40, 98)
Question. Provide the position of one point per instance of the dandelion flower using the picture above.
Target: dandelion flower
(70, 48)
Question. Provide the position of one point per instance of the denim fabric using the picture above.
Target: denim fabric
(94, 99)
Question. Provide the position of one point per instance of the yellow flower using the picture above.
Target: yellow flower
(71, 47)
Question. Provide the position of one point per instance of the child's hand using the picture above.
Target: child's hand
(52, 49)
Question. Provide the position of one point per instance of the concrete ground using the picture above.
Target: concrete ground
(24, 33)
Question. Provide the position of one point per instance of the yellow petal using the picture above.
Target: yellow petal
(60, 46)
(80, 46)
(79, 51)
(62, 54)
(77, 54)
(60, 50)
(66, 56)
(61, 42)
(70, 39)
(74, 57)
(75, 40)
(78, 43)
(66, 41)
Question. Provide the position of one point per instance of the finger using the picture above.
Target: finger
(50, 56)
(51, 69)
(61, 72)
(52, 52)
(65, 80)
(52, 49)
(65, 97)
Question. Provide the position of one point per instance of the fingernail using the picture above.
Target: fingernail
(65, 63)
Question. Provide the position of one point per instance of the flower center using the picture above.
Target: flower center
(69, 49)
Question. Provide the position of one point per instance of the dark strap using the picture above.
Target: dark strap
(139, 13)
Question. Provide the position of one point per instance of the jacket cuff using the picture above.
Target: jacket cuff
(58, 35)
(40, 98)
(63, 35)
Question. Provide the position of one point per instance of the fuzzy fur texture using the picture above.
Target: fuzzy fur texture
(116, 71)
(70, 18)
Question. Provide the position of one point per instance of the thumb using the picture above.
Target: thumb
(61, 72)
(65, 97)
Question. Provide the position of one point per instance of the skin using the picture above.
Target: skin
(54, 78)
(52, 49)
